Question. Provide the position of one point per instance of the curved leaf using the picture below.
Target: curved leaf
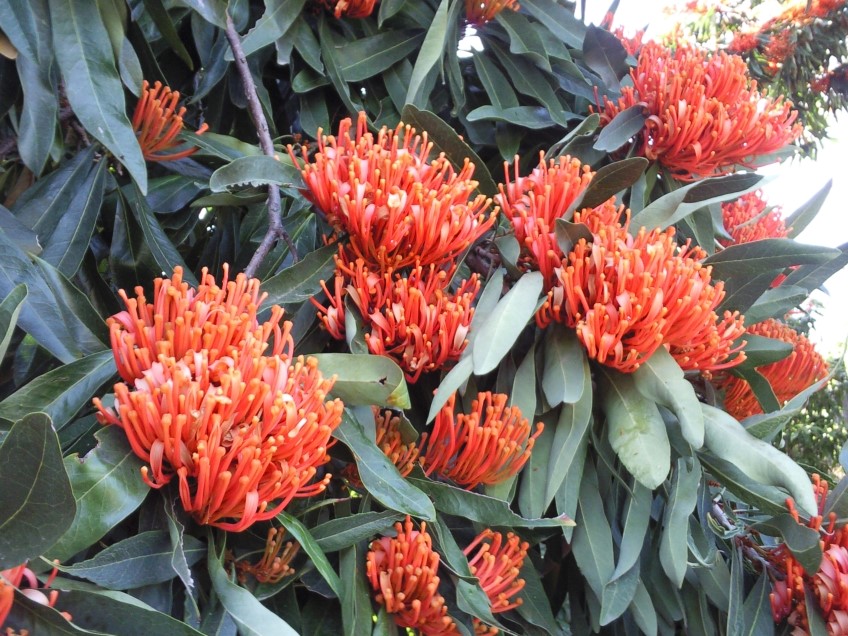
(674, 548)
(302, 280)
(365, 379)
(10, 309)
(301, 534)
(621, 129)
(256, 170)
(428, 57)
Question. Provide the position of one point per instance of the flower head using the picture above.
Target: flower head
(349, 8)
(398, 208)
(389, 439)
(478, 12)
(486, 446)
(748, 219)
(15, 577)
(157, 123)
(704, 114)
(402, 571)
(413, 319)
(273, 566)
(497, 564)
(787, 377)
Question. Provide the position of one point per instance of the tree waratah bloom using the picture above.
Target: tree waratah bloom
(398, 208)
(534, 203)
(349, 8)
(705, 116)
(182, 320)
(389, 440)
(486, 446)
(273, 566)
(628, 295)
(157, 122)
(497, 563)
(413, 319)
(402, 571)
(787, 377)
(748, 219)
(14, 578)
(478, 12)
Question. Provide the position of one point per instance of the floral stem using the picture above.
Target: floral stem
(276, 231)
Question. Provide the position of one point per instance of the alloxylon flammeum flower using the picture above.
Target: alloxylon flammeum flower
(390, 441)
(244, 433)
(478, 12)
(787, 377)
(486, 446)
(402, 571)
(411, 318)
(398, 208)
(628, 295)
(273, 566)
(704, 114)
(349, 8)
(157, 123)
(747, 219)
(13, 578)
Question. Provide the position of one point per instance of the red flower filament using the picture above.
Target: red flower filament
(157, 123)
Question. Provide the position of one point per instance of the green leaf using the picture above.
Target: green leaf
(608, 181)
(559, 19)
(107, 487)
(356, 601)
(62, 392)
(566, 369)
(368, 56)
(40, 618)
(142, 559)
(379, 475)
(802, 541)
(365, 379)
(256, 170)
(814, 618)
(749, 259)
(677, 205)
(636, 515)
(768, 499)
(812, 277)
(661, 379)
(767, 425)
(19, 234)
(760, 350)
(742, 292)
(275, 23)
(533, 117)
(302, 280)
(618, 595)
(429, 56)
(179, 542)
(535, 608)
(38, 114)
(451, 383)
(495, 83)
(252, 618)
(735, 612)
(506, 322)
(480, 508)
(674, 548)
(156, 10)
(635, 429)
(301, 534)
(774, 303)
(756, 611)
(605, 55)
(446, 140)
(801, 218)
(36, 498)
(643, 610)
(583, 130)
(10, 309)
(388, 8)
(332, 57)
(342, 532)
(92, 84)
(592, 543)
(621, 129)
(532, 491)
(524, 38)
(213, 11)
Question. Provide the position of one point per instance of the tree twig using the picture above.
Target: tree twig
(276, 231)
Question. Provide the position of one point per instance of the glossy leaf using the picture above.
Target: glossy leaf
(10, 309)
(366, 57)
(559, 19)
(342, 532)
(609, 181)
(451, 383)
(428, 57)
(775, 303)
(750, 259)
(356, 605)
(801, 218)
(257, 170)
(624, 126)
(301, 534)
(302, 280)
(605, 55)
(275, 23)
(365, 379)
(36, 499)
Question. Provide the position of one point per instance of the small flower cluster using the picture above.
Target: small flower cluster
(244, 433)
(157, 123)
(478, 12)
(705, 116)
(486, 446)
(748, 219)
(828, 586)
(787, 377)
(274, 565)
(403, 569)
(406, 220)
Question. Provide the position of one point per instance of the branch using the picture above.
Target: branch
(276, 231)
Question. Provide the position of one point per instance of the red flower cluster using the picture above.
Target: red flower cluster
(478, 12)
(14, 578)
(389, 440)
(413, 319)
(349, 8)
(486, 446)
(497, 564)
(787, 377)
(704, 115)
(402, 571)
(273, 566)
(628, 295)
(244, 433)
(829, 585)
(157, 123)
(747, 219)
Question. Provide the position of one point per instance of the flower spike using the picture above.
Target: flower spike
(157, 123)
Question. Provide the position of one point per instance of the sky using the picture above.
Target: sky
(793, 182)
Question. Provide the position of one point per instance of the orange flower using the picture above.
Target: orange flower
(349, 8)
(182, 320)
(412, 319)
(13, 578)
(478, 12)
(787, 377)
(486, 446)
(402, 571)
(157, 123)
(628, 295)
(704, 114)
(390, 441)
(534, 203)
(244, 435)
(746, 219)
(397, 208)
(780, 46)
(497, 564)
(274, 566)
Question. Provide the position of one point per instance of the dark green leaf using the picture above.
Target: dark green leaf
(767, 425)
(605, 55)
(621, 129)
(802, 541)
(674, 549)
(156, 10)
(19, 234)
(379, 475)
(618, 595)
(524, 38)
(38, 114)
(535, 607)
(455, 378)
(301, 534)
(213, 11)
(39, 618)
(636, 515)
(812, 277)
(36, 498)
(643, 610)
(749, 259)
(814, 618)
(257, 170)
(735, 612)
(365, 379)
(497, 86)
(532, 490)
(10, 309)
(800, 218)
(429, 56)
(559, 19)
(568, 233)
(342, 532)
(92, 83)
(756, 611)
(179, 544)
(774, 303)
(586, 128)
(302, 280)
(356, 602)
(565, 370)
(275, 23)
(371, 55)
(592, 543)
(332, 56)
(107, 487)
(533, 117)
(609, 181)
